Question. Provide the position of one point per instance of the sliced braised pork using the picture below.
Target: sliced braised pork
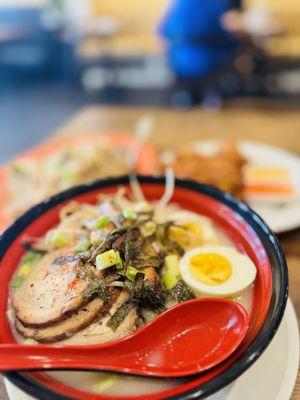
(76, 321)
(99, 332)
(51, 292)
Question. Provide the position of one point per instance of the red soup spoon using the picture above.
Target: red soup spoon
(189, 338)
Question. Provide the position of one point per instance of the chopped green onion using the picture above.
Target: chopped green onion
(18, 169)
(82, 246)
(106, 259)
(105, 384)
(24, 270)
(129, 214)
(102, 222)
(59, 239)
(69, 175)
(27, 262)
(30, 257)
(119, 262)
(131, 273)
(172, 264)
(171, 277)
(148, 228)
(169, 281)
(16, 282)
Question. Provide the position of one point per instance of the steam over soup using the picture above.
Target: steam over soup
(107, 269)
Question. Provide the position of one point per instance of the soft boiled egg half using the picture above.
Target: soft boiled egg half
(217, 270)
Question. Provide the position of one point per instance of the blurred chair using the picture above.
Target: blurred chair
(198, 47)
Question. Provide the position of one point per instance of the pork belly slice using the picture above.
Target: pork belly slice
(81, 318)
(51, 292)
(99, 332)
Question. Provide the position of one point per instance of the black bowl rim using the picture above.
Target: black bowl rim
(263, 231)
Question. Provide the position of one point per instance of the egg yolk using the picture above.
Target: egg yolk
(210, 269)
(187, 235)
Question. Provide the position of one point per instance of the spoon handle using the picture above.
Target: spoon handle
(37, 357)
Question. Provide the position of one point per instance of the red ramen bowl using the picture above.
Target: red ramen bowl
(242, 225)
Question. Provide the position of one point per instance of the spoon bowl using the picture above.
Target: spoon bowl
(187, 339)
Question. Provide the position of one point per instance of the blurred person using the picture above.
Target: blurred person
(202, 40)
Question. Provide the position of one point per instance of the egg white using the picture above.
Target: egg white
(242, 276)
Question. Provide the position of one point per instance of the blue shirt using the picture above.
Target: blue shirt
(197, 43)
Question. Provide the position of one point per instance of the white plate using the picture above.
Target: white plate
(274, 374)
(281, 217)
(272, 377)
